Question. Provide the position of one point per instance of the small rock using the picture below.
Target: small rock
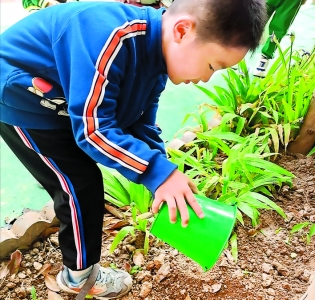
(35, 250)
(143, 276)
(267, 268)
(286, 286)
(145, 289)
(37, 265)
(206, 288)
(150, 265)
(268, 252)
(216, 287)
(267, 280)
(54, 240)
(21, 292)
(298, 273)
(28, 272)
(11, 285)
(130, 248)
(281, 269)
(237, 274)
(306, 275)
(37, 245)
(249, 286)
(271, 292)
(159, 261)
(162, 272)
(21, 275)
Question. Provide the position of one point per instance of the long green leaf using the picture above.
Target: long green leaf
(269, 202)
(211, 95)
(120, 236)
(234, 248)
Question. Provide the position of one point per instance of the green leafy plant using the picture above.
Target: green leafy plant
(123, 192)
(300, 226)
(274, 105)
(135, 269)
(240, 175)
(139, 223)
(234, 247)
(33, 293)
(311, 152)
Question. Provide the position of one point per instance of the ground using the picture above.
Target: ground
(272, 263)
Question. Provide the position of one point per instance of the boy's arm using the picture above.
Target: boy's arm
(94, 97)
(145, 128)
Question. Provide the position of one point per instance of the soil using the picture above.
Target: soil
(272, 264)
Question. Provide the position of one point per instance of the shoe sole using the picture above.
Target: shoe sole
(64, 288)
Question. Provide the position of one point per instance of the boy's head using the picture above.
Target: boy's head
(200, 37)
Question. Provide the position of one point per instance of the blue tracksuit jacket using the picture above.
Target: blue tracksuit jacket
(99, 67)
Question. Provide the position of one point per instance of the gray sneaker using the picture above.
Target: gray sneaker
(102, 283)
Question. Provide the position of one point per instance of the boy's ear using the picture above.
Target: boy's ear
(182, 27)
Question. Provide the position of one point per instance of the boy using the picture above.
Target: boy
(283, 13)
(86, 88)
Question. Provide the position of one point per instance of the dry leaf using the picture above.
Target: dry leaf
(53, 296)
(51, 283)
(188, 297)
(119, 224)
(229, 256)
(113, 210)
(48, 231)
(125, 208)
(252, 232)
(127, 267)
(44, 270)
(15, 262)
(4, 269)
(108, 221)
(138, 258)
(145, 215)
(110, 232)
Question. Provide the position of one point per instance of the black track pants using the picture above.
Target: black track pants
(74, 182)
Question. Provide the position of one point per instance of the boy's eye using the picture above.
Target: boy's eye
(211, 68)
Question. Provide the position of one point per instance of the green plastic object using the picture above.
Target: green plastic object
(203, 240)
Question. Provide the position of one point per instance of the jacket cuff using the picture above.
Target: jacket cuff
(157, 172)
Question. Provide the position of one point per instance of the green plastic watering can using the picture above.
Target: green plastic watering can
(203, 240)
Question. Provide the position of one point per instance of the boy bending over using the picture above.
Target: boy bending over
(85, 90)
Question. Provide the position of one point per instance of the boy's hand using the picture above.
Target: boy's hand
(176, 190)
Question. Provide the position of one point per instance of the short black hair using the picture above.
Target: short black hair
(233, 23)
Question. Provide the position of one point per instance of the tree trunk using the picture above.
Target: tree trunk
(306, 139)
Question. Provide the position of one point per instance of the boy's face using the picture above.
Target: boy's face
(189, 60)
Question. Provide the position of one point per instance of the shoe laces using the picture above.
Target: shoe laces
(107, 276)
